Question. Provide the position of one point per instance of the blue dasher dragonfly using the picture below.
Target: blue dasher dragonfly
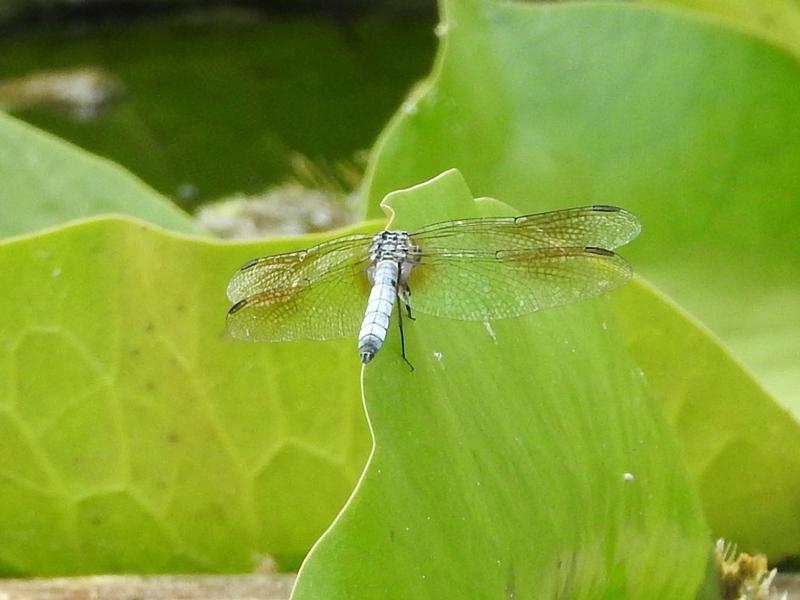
(481, 269)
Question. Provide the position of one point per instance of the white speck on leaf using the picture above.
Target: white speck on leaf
(628, 476)
(56, 272)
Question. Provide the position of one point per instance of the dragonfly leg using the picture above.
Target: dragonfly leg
(405, 298)
(403, 339)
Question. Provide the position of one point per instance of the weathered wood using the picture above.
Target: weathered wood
(193, 587)
(158, 587)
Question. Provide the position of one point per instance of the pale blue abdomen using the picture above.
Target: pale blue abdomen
(379, 309)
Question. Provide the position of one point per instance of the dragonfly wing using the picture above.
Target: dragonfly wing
(317, 294)
(484, 286)
(295, 269)
(599, 226)
(332, 307)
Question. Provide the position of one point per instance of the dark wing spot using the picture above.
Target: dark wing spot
(599, 251)
(238, 306)
(605, 208)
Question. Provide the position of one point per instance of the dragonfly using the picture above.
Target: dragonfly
(479, 269)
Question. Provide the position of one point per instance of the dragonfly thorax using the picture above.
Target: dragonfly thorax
(390, 245)
(397, 247)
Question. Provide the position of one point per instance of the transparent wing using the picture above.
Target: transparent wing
(297, 269)
(318, 294)
(599, 226)
(332, 307)
(484, 286)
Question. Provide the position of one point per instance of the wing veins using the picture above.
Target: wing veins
(518, 283)
(602, 226)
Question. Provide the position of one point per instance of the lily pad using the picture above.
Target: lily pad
(46, 182)
(691, 125)
(736, 439)
(135, 437)
(525, 458)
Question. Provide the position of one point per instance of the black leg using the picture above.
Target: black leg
(408, 310)
(403, 339)
(407, 302)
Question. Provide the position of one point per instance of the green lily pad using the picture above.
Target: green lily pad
(135, 437)
(46, 182)
(523, 459)
(691, 125)
(735, 438)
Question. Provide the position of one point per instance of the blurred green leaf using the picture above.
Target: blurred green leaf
(45, 182)
(689, 124)
(692, 126)
(775, 20)
(737, 441)
(522, 460)
(134, 436)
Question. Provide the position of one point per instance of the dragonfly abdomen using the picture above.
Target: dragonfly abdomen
(379, 309)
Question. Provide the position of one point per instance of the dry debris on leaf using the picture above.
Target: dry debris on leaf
(744, 577)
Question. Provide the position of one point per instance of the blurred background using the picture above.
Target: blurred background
(268, 107)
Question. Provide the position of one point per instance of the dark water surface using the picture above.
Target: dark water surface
(207, 105)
